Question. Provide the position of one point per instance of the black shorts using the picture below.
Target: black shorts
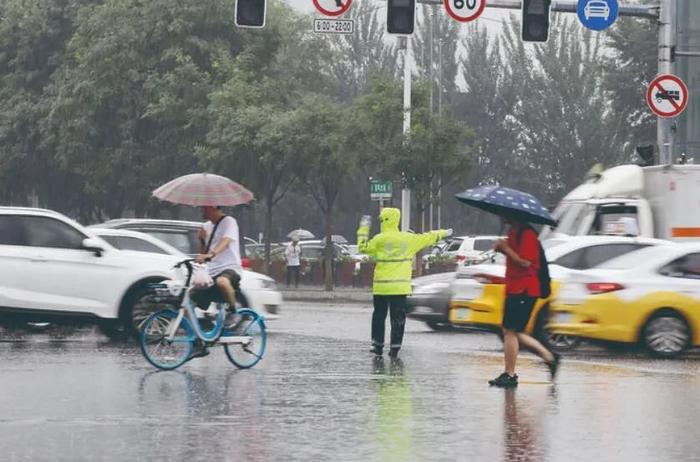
(203, 297)
(518, 309)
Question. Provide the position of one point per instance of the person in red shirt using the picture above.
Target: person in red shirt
(522, 251)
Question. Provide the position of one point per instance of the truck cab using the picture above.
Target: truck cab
(629, 200)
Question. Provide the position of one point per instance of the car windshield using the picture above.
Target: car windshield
(635, 258)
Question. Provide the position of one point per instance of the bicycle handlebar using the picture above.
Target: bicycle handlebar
(188, 263)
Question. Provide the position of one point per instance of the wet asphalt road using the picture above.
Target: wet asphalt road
(320, 395)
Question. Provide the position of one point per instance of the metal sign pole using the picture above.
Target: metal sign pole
(665, 128)
(569, 6)
(405, 192)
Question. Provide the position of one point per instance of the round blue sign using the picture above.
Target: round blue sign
(597, 14)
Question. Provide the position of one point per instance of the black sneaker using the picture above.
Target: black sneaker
(376, 350)
(200, 350)
(505, 381)
(553, 365)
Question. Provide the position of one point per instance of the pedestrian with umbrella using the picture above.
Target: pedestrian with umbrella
(219, 237)
(527, 274)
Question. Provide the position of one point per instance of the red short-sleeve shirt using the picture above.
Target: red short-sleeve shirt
(523, 280)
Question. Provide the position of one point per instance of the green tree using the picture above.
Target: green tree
(32, 46)
(252, 113)
(133, 97)
(567, 124)
(361, 56)
(629, 68)
(324, 161)
(435, 49)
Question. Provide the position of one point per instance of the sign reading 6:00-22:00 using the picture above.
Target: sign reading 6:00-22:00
(334, 26)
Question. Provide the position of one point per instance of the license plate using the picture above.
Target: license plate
(462, 313)
(562, 318)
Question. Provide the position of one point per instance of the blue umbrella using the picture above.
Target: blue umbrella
(510, 202)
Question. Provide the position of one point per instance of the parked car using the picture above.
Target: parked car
(650, 296)
(258, 291)
(257, 251)
(467, 249)
(52, 269)
(479, 291)
(313, 250)
(126, 239)
(183, 235)
(178, 233)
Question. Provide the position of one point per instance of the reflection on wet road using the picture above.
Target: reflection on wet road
(319, 395)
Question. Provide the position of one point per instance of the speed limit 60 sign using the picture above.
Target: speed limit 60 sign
(465, 10)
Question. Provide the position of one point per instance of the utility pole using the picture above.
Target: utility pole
(666, 128)
(405, 191)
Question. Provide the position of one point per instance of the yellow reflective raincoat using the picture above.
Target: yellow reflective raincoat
(394, 252)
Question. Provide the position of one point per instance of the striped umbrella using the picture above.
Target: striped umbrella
(200, 189)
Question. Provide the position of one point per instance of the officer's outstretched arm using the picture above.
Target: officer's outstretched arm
(421, 241)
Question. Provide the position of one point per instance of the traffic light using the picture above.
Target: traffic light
(535, 20)
(400, 16)
(250, 13)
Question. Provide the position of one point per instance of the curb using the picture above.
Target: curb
(323, 296)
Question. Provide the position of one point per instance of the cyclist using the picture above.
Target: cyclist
(219, 241)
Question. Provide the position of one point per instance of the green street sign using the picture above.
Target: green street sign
(379, 190)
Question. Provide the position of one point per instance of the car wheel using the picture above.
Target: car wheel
(142, 305)
(560, 342)
(114, 329)
(439, 326)
(666, 334)
(556, 342)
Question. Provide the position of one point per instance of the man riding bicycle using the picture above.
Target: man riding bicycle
(219, 241)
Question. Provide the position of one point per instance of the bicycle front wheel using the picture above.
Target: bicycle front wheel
(158, 349)
(246, 355)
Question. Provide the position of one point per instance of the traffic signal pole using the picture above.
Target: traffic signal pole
(666, 128)
(569, 6)
(405, 191)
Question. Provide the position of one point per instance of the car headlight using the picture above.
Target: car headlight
(268, 284)
(434, 288)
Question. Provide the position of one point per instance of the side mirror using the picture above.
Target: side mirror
(93, 245)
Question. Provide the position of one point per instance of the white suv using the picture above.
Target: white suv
(53, 269)
(468, 249)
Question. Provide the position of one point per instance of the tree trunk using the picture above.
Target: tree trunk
(268, 232)
(328, 257)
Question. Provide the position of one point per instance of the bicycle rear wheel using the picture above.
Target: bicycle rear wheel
(157, 349)
(247, 355)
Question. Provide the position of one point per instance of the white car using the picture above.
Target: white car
(597, 9)
(576, 253)
(469, 249)
(650, 297)
(258, 291)
(54, 269)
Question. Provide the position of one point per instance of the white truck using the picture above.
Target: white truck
(661, 201)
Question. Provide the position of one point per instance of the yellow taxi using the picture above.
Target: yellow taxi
(479, 290)
(650, 296)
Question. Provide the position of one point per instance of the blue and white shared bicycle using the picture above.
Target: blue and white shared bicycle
(168, 336)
